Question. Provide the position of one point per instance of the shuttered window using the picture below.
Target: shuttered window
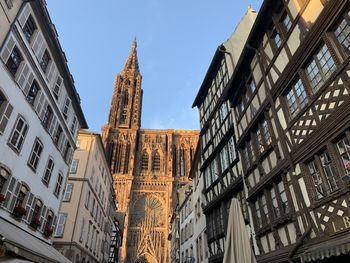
(5, 112)
(18, 134)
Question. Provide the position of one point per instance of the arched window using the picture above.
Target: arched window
(35, 221)
(4, 177)
(144, 161)
(156, 162)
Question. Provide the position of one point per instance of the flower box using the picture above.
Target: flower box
(19, 211)
(48, 232)
(2, 198)
(35, 223)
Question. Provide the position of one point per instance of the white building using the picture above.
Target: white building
(40, 116)
(199, 238)
(186, 227)
(84, 227)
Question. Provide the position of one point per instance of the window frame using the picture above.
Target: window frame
(48, 171)
(58, 186)
(35, 154)
(22, 133)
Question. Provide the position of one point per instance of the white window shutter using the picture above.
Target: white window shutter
(24, 15)
(54, 222)
(13, 195)
(52, 125)
(7, 49)
(9, 191)
(30, 207)
(5, 117)
(43, 109)
(39, 102)
(39, 46)
(43, 217)
(23, 76)
(50, 72)
(29, 83)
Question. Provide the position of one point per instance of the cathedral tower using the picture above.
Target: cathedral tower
(147, 165)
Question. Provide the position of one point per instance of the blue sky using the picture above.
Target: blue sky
(176, 42)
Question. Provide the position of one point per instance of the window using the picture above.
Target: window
(57, 87)
(29, 28)
(320, 68)
(62, 218)
(18, 134)
(47, 117)
(4, 176)
(283, 196)
(81, 236)
(14, 61)
(343, 147)
(5, 112)
(33, 92)
(276, 37)
(286, 22)
(21, 196)
(342, 33)
(68, 193)
(73, 125)
(67, 152)
(156, 162)
(296, 98)
(88, 234)
(48, 171)
(74, 166)
(35, 154)
(251, 86)
(144, 161)
(87, 200)
(57, 136)
(323, 175)
(35, 221)
(58, 185)
(66, 107)
(45, 60)
(248, 154)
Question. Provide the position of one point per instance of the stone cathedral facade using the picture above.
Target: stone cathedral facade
(147, 167)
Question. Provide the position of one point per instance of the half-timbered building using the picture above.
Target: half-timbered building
(218, 162)
(289, 95)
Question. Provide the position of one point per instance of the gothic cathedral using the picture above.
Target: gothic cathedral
(147, 167)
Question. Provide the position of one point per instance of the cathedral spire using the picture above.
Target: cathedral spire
(132, 63)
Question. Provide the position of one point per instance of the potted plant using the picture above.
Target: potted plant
(19, 211)
(35, 223)
(2, 198)
(48, 232)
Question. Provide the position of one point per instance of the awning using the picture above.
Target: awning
(237, 245)
(327, 249)
(27, 246)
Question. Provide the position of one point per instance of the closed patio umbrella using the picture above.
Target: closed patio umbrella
(237, 245)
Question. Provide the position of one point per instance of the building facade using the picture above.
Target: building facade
(40, 116)
(186, 222)
(292, 130)
(217, 171)
(146, 165)
(201, 252)
(85, 220)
